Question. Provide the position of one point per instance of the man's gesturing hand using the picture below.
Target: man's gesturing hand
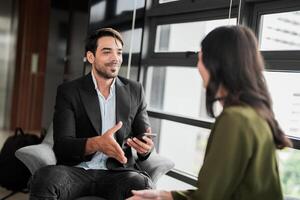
(107, 144)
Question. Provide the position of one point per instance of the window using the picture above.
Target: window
(280, 31)
(182, 37)
(97, 12)
(169, 183)
(183, 144)
(133, 71)
(177, 90)
(136, 43)
(175, 93)
(136, 49)
(285, 93)
(123, 6)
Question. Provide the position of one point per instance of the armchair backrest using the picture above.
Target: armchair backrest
(49, 136)
(40, 155)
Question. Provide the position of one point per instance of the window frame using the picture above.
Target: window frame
(177, 12)
(155, 14)
(276, 59)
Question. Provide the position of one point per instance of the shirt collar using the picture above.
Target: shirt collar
(112, 86)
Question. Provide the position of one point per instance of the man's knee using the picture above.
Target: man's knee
(136, 181)
(49, 175)
(47, 180)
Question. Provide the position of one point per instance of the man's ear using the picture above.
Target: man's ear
(90, 57)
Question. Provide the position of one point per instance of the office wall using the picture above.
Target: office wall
(67, 33)
(57, 46)
(30, 64)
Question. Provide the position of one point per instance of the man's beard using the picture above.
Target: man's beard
(107, 74)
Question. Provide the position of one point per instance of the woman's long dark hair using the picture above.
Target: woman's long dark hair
(231, 56)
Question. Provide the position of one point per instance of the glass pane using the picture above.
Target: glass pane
(168, 183)
(166, 1)
(185, 36)
(8, 43)
(280, 31)
(136, 43)
(184, 144)
(285, 93)
(133, 71)
(123, 6)
(289, 168)
(97, 12)
(176, 90)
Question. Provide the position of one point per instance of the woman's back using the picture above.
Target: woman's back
(240, 161)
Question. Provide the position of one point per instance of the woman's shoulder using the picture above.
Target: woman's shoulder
(244, 119)
(244, 115)
(242, 112)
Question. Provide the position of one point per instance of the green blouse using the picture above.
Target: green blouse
(240, 160)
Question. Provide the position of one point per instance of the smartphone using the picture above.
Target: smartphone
(150, 135)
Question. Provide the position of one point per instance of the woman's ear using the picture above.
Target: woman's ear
(90, 57)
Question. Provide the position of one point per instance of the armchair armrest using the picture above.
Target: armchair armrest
(156, 166)
(36, 156)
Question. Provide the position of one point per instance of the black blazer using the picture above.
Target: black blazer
(77, 117)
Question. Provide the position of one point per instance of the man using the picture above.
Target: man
(96, 120)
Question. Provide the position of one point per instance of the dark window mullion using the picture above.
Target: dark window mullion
(197, 16)
(296, 142)
(270, 8)
(281, 55)
(135, 59)
(171, 62)
(180, 119)
(186, 7)
(181, 176)
(283, 66)
(172, 59)
(123, 21)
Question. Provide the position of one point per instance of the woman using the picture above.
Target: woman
(240, 160)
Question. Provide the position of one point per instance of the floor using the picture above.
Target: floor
(17, 196)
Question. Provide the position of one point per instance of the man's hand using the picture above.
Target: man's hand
(107, 144)
(150, 194)
(140, 146)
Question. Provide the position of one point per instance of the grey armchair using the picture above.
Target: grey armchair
(37, 156)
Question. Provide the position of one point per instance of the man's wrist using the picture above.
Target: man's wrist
(91, 145)
(144, 156)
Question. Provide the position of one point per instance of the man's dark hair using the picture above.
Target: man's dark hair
(91, 40)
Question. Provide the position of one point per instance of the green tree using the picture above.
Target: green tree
(290, 172)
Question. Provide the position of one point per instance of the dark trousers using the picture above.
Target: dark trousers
(67, 183)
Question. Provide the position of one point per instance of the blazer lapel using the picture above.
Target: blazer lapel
(91, 103)
(122, 107)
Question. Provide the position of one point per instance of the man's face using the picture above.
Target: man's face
(108, 57)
